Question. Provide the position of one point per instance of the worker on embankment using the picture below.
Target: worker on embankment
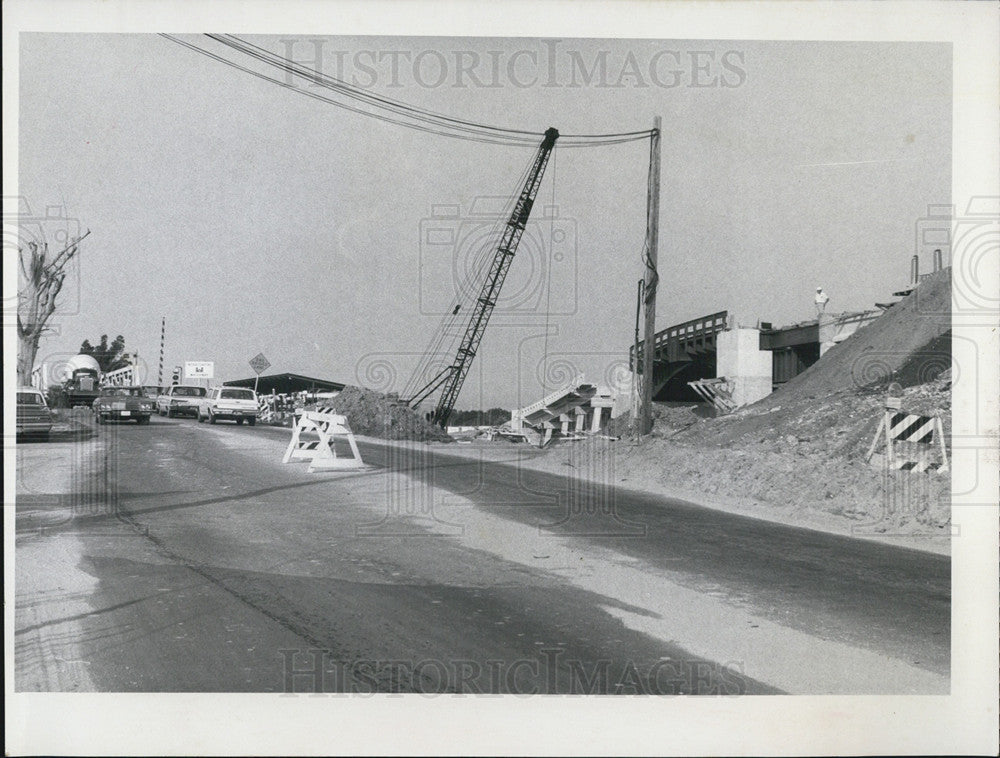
(821, 300)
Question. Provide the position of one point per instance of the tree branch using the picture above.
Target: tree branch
(69, 251)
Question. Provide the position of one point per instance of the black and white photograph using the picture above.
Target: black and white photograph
(511, 378)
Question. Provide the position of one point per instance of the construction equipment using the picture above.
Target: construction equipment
(83, 375)
(451, 378)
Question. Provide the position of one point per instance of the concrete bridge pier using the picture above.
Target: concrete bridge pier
(741, 361)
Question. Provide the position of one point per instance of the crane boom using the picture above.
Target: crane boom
(453, 377)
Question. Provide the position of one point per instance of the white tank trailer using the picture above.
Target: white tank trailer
(83, 376)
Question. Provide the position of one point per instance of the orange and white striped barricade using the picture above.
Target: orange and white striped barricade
(320, 450)
(911, 429)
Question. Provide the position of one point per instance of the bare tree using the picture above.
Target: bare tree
(41, 280)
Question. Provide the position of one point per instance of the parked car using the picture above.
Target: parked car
(229, 403)
(123, 404)
(33, 414)
(180, 400)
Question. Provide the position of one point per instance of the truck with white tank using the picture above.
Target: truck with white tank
(82, 382)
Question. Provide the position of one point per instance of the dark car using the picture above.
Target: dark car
(33, 414)
(123, 404)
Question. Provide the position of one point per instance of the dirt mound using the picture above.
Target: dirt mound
(840, 425)
(803, 447)
(375, 415)
(909, 343)
(667, 417)
(834, 406)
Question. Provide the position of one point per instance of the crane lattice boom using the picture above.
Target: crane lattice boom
(453, 377)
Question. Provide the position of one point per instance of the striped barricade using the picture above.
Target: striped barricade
(265, 409)
(918, 434)
(322, 429)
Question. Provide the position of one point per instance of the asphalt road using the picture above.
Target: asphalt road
(212, 567)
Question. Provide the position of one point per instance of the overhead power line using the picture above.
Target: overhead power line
(402, 114)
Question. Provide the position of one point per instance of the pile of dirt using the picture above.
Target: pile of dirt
(840, 425)
(835, 404)
(909, 343)
(667, 417)
(801, 450)
(376, 415)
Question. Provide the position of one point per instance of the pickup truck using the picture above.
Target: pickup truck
(180, 400)
(231, 403)
(123, 404)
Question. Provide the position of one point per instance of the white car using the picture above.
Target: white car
(229, 403)
(179, 400)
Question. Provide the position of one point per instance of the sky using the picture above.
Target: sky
(256, 220)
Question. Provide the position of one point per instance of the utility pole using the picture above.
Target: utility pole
(634, 363)
(652, 278)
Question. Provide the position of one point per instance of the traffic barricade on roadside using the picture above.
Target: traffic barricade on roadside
(910, 440)
(314, 437)
(265, 408)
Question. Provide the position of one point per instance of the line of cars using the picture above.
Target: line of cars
(139, 403)
(211, 405)
(206, 404)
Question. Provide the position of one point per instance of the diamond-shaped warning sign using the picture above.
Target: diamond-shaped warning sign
(259, 363)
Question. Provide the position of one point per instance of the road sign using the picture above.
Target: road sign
(199, 370)
(259, 363)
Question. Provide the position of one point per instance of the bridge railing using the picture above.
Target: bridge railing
(674, 340)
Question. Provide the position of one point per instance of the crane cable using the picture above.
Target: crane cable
(451, 319)
(548, 282)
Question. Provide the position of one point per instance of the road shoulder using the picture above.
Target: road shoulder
(564, 460)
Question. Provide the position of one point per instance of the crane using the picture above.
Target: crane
(452, 377)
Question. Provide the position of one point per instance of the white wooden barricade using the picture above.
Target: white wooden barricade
(322, 428)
